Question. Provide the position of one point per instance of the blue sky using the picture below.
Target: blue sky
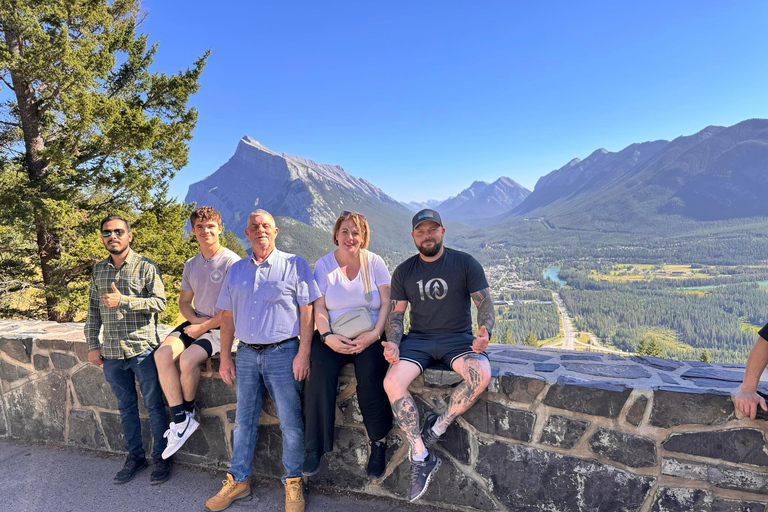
(422, 98)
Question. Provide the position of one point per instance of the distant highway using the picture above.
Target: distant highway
(569, 341)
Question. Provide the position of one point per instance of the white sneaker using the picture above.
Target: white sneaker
(178, 434)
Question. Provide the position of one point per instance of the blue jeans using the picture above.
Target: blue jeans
(255, 371)
(122, 375)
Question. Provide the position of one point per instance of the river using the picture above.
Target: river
(553, 273)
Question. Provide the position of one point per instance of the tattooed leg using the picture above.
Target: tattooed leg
(404, 409)
(476, 371)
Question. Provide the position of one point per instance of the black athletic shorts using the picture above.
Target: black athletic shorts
(427, 350)
(210, 341)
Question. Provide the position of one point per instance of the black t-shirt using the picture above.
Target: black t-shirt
(439, 291)
(763, 333)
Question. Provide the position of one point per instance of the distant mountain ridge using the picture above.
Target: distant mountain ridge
(484, 200)
(295, 187)
(718, 173)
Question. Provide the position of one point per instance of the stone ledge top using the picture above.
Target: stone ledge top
(589, 369)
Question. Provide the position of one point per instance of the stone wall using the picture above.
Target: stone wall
(557, 430)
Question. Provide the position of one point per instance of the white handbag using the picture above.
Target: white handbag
(358, 320)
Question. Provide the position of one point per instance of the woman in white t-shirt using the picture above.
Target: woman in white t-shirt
(340, 278)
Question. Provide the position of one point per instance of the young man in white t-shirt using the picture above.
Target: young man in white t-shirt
(197, 339)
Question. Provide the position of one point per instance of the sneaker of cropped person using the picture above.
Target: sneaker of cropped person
(294, 495)
(428, 435)
(178, 434)
(161, 472)
(421, 474)
(230, 491)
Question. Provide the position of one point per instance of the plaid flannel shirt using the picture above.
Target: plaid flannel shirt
(131, 327)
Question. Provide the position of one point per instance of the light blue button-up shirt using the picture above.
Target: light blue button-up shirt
(265, 298)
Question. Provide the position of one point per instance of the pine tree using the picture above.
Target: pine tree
(704, 356)
(531, 339)
(95, 131)
(230, 241)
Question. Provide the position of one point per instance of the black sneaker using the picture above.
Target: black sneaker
(312, 464)
(377, 463)
(427, 435)
(133, 465)
(421, 474)
(161, 472)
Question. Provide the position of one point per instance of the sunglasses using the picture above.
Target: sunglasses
(347, 213)
(106, 233)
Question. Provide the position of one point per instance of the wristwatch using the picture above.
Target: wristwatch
(325, 335)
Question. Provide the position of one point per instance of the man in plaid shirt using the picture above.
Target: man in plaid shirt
(125, 298)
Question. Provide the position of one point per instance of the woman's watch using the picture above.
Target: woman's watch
(325, 335)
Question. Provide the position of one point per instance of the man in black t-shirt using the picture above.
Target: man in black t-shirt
(438, 283)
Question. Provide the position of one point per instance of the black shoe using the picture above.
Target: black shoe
(161, 471)
(312, 464)
(421, 474)
(427, 435)
(377, 463)
(133, 465)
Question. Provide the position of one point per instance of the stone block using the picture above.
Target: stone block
(81, 349)
(630, 450)
(671, 408)
(528, 479)
(3, 424)
(113, 431)
(681, 499)
(345, 466)
(56, 344)
(231, 413)
(668, 378)
(36, 410)
(209, 440)
(19, 349)
(562, 431)
(659, 363)
(456, 442)
(737, 506)
(742, 445)
(10, 372)
(350, 410)
(40, 362)
(269, 451)
(449, 485)
(62, 361)
(495, 419)
(581, 357)
(616, 371)
(521, 389)
(714, 374)
(84, 430)
(587, 400)
(440, 378)
(637, 411)
(92, 389)
(726, 477)
(524, 354)
(545, 367)
(213, 392)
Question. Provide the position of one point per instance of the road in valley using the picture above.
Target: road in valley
(569, 341)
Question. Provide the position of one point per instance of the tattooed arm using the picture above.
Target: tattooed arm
(394, 330)
(486, 315)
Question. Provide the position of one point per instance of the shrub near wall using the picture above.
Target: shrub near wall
(557, 430)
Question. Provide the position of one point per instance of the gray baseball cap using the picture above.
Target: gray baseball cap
(425, 215)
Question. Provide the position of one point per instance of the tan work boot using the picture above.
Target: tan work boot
(294, 495)
(230, 491)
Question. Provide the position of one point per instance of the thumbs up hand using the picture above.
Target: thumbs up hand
(481, 340)
(112, 300)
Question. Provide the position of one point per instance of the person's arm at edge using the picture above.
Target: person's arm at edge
(227, 336)
(306, 327)
(746, 398)
(93, 326)
(486, 318)
(394, 329)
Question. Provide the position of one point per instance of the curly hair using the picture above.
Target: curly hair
(205, 213)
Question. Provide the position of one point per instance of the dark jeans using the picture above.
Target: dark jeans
(320, 393)
(122, 375)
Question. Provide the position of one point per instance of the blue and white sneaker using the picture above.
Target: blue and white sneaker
(178, 434)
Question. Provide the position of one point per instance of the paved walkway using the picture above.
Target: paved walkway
(48, 478)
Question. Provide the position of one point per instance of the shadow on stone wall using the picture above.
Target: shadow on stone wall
(556, 430)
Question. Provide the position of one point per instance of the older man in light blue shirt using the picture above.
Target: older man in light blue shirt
(266, 301)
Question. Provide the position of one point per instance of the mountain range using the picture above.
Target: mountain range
(717, 174)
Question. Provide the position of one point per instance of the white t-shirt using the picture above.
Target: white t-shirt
(341, 294)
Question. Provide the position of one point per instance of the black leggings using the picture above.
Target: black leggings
(320, 393)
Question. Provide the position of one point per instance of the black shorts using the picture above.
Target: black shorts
(210, 341)
(428, 350)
